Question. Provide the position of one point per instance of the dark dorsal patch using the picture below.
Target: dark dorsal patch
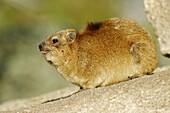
(93, 26)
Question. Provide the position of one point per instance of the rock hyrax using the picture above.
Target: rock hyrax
(103, 53)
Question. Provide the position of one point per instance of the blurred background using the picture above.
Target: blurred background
(24, 24)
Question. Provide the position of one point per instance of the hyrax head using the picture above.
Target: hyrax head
(55, 45)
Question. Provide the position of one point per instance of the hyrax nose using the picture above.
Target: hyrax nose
(41, 46)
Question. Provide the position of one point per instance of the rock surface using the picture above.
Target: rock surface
(147, 94)
(158, 13)
(24, 103)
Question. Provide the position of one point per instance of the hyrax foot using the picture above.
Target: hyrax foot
(132, 77)
(149, 73)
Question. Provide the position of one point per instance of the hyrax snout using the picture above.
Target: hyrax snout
(103, 53)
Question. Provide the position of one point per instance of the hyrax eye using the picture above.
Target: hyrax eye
(55, 41)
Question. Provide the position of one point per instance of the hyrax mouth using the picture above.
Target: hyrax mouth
(44, 51)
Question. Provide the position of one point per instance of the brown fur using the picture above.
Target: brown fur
(103, 53)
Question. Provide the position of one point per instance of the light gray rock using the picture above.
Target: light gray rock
(147, 94)
(158, 13)
(25, 103)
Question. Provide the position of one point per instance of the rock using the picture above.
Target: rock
(24, 103)
(149, 93)
(158, 13)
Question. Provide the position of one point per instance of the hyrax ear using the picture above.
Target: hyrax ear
(71, 36)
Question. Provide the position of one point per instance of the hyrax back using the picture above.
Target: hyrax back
(103, 53)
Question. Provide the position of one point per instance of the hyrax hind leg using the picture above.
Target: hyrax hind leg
(143, 59)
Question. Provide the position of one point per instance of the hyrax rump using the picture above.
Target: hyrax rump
(103, 53)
